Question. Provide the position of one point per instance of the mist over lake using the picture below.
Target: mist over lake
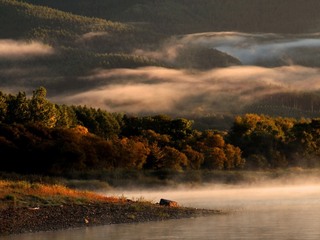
(254, 212)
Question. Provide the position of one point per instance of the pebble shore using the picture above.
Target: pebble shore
(48, 218)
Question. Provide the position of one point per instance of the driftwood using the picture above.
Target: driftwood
(168, 203)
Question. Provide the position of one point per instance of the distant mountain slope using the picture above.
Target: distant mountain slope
(84, 43)
(51, 47)
(185, 16)
(22, 20)
(288, 104)
(25, 21)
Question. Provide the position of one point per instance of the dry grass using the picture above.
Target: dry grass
(23, 193)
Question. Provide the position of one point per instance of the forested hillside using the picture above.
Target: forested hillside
(24, 21)
(186, 16)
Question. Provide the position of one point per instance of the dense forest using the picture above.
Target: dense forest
(40, 137)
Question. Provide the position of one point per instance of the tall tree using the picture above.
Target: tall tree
(18, 109)
(42, 111)
(66, 116)
(99, 122)
(3, 107)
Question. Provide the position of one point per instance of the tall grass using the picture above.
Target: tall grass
(24, 193)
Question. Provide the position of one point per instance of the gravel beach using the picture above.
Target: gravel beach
(47, 218)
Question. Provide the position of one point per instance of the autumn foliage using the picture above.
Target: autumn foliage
(39, 137)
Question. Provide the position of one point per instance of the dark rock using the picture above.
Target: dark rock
(169, 203)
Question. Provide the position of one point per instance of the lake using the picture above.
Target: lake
(264, 212)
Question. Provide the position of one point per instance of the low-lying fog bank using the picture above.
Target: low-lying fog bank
(234, 197)
(271, 64)
(284, 191)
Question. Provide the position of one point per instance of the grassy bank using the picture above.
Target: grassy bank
(32, 207)
(26, 194)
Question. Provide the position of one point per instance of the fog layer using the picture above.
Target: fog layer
(11, 49)
(258, 49)
(272, 63)
(156, 89)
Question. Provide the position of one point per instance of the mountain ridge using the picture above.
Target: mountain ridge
(186, 16)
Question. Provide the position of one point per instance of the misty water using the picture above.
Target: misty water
(265, 212)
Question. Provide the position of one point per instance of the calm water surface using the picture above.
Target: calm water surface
(279, 212)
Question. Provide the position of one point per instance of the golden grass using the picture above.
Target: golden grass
(23, 193)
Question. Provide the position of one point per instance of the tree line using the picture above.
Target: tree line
(40, 137)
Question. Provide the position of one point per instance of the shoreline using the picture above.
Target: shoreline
(18, 220)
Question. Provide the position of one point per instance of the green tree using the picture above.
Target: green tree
(177, 129)
(42, 111)
(261, 135)
(3, 107)
(304, 147)
(180, 128)
(66, 116)
(18, 108)
(99, 122)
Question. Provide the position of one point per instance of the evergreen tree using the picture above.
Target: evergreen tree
(42, 111)
(18, 109)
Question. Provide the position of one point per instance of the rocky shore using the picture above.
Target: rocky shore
(16, 220)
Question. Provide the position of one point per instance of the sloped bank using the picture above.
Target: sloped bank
(27, 207)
